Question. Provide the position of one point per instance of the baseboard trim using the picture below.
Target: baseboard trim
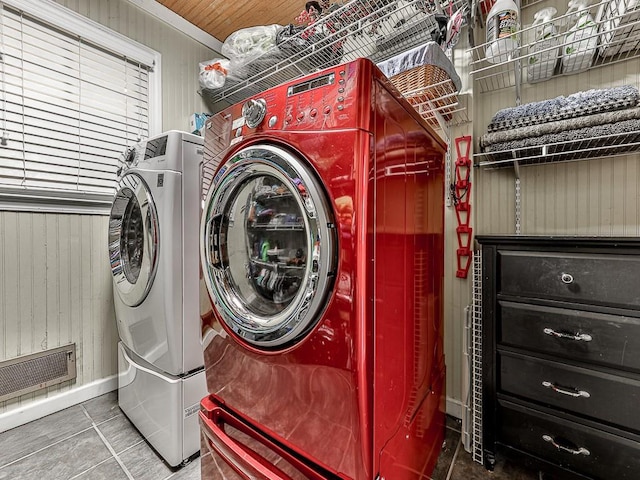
(454, 407)
(46, 406)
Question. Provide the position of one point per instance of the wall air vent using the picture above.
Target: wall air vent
(32, 372)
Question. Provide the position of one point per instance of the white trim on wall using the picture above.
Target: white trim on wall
(47, 406)
(454, 407)
(176, 21)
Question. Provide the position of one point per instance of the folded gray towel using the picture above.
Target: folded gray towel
(616, 138)
(559, 126)
(560, 108)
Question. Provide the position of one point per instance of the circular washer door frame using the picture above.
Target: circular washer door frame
(133, 291)
(281, 330)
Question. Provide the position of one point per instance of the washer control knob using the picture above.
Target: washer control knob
(254, 111)
(300, 116)
(272, 121)
(326, 110)
(313, 113)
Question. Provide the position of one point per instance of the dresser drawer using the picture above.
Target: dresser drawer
(595, 453)
(601, 279)
(610, 340)
(602, 396)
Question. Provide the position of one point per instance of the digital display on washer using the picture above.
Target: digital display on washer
(317, 82)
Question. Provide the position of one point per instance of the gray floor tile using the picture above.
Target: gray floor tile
(61, 461)
(103, 407)
(120, 433)
(466, 469)
(191, 471)
(144, 463)
(451, 442)
(108, 470)
(28, 438)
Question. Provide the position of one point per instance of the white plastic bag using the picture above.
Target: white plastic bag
(213, 73)
(248, 43)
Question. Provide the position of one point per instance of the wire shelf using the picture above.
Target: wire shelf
(375, 29)
(609, 145)
(614, 38)
(437, 102)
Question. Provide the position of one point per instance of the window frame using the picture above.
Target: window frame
(60, 17)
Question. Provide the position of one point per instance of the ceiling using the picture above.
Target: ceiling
(220, 18)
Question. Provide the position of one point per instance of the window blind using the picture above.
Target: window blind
(69, 109)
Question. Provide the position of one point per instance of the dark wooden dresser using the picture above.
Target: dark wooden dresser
(561, 354)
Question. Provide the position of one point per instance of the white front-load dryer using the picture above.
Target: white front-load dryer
(153, 250)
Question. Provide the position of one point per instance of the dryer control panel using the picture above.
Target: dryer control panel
(325, 100)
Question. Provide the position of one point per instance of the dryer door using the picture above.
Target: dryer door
(268, 246)
(133, 239)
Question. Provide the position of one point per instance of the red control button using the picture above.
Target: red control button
(289, 119)
(326, 110)
(300, 116)
(313, 113)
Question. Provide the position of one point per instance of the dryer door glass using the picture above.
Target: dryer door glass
(268, 246)
(133, 240)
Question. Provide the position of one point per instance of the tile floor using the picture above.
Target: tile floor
(95, 441)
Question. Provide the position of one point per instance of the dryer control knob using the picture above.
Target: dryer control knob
(254, 112)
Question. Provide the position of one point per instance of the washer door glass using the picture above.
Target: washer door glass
(268, 246)
(133, 240)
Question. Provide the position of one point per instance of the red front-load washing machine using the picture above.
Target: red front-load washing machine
(322, 255)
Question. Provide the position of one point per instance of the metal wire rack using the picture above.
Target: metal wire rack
(375, 29)
(595, 147)
(476, 360)
(436, 103)
(614, 37)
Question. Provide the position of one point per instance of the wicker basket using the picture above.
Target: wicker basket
(427, 88)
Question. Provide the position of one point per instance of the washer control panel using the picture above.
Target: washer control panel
(315, 102)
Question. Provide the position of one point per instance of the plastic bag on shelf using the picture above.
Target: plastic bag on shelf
(246, 44)
(213, 73)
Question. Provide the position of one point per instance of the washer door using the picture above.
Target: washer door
(133, 240)
(268, 246)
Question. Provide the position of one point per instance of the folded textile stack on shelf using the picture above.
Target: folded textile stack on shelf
(427, 78)
(588, 124)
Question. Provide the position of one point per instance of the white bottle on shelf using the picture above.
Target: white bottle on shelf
(581, 40)
(544, 51)
(502, 25)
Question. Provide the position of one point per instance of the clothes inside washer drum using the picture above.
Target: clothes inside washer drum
(593, 141)
(579, 104)
(559, 126)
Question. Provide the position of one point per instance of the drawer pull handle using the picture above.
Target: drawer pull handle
(584, 337)
(566, 278)
(575, 393)
(573, 451)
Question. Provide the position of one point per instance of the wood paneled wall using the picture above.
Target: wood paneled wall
(55, 289)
